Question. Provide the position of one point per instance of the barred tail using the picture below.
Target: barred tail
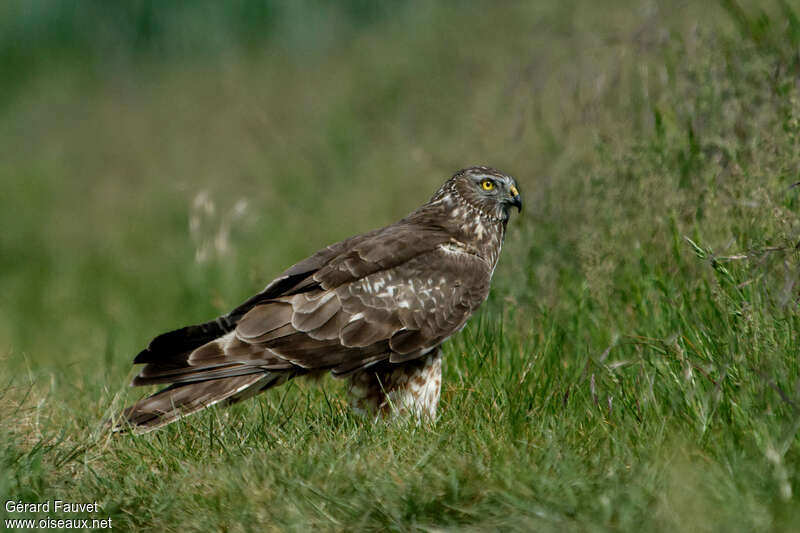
(182, 399)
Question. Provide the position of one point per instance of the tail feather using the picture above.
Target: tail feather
(194, 387)
(183, 399)
(171, 345)
(194, 375)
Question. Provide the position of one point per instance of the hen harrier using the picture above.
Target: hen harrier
(375, 307)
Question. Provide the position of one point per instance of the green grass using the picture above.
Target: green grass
(635, 368)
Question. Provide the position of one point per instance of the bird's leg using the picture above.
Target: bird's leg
(412, 387)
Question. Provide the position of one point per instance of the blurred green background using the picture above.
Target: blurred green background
(636, 366)
(119, 119)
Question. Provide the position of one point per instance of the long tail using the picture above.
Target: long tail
(192, 388)
(182, 399)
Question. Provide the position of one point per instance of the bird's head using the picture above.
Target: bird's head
(488, 190)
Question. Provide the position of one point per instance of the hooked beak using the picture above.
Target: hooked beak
(516, 200)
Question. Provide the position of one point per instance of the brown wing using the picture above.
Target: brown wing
(172, 349)
(393, 295)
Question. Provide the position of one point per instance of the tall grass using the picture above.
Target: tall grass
(635, 367)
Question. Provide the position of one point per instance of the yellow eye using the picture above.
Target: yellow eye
(487, 185)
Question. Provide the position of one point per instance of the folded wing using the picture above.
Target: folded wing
(389, 296)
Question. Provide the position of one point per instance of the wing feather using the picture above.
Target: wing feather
(390, 295)
(263, 319)
(307, 317)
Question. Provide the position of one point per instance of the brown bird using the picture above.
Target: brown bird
(374, 308)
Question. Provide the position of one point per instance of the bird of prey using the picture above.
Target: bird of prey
(374, 308)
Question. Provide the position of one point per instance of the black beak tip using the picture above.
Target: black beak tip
(516, 201)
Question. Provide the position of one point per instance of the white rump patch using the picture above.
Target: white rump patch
(227, 339)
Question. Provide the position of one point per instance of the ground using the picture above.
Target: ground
(635, 368)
